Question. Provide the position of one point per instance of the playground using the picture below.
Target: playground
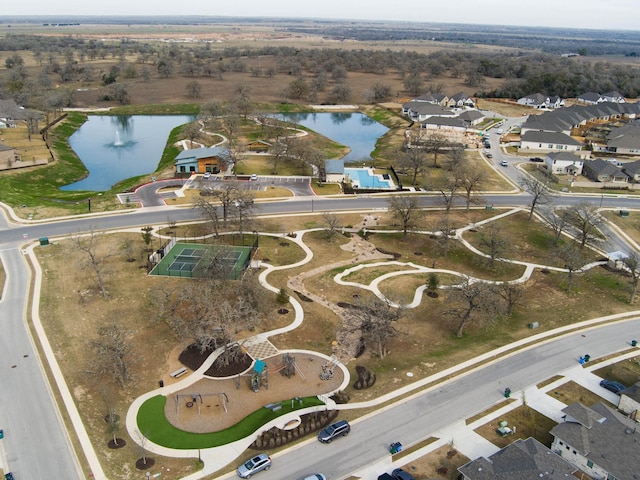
(213, 404)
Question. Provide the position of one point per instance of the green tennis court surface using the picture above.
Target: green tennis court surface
(193, 260)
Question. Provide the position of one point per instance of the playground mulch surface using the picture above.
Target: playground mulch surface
(241, 400)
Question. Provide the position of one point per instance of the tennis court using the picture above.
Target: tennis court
(192, 260)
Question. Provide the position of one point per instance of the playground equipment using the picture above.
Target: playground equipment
(259, 377)
(328, 369)
(192, 400)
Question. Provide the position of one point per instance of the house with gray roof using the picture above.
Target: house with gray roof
(600, 170)
(590, 98)
(599, 441)
(522, 460)
(614, 97)
(420, 111)
(633, 170)
(549, 141)
(630, 401)
(538, 100)
(461, 100)
(471, 117)
(449, 124)
(564, 163)
(434, 98)
(625, 139)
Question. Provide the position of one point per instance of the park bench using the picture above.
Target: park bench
(178, 373)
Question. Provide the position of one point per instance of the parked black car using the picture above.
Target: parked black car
(615, 387)
(340, 428)
(400, 474)
(536, 159)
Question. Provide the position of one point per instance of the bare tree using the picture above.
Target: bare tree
(331, 221)
(111, 353)
(584, 217)
(474, 299)
(448, 188)
(435, 144)
(375, 320)
(557, 221)
(492, 239)
(210, 212)
(95, 257)
(404, 209)
(194, 89)
(512, 294)
(538, 191)
(470, 178)
(573, 259)
(632, 264)
(113, 424)
(414, 160)
(191, 131)
(446, 230)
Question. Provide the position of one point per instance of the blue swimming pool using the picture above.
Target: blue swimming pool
(366, 178)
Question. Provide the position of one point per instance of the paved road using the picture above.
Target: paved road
(417, 418)
(36, 441)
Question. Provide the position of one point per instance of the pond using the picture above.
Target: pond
(354, 130)
(116, 147)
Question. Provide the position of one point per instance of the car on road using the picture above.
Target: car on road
(612, 386)
(489, 155)
(341, 428)
(254, 177)
(254, 465)
(536, 159)
(385, 476)
(400, 474)
(504, 163)
(315, 476)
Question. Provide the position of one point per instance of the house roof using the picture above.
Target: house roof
(631, 168)
(522, 460)
(589, 97)
(460, 96)
(604, 436)
(470, 115)
(564, 156)
(627, 136)
(424, 108)
(632, 392)
(555, 138)
(612, 94)
(536, 97)
(602, 167)
(195, 153)
(445, 122)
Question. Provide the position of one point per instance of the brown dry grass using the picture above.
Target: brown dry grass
(528, 423)
(572, 392)
(72, 310)
(426, 467)
(626, 372)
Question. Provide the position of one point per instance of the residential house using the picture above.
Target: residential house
(548, 141)
(522, 460)
(445, 124)
(599, 441)
(538, 100)
(564, 163)
(333, 171)
(471, 117)
(600, 170)
(433, 98)
(202, 160)
(421, 111)
(590, 98)
(633, 170)
(625, 140)
(461, 100)
(630, 401)
(614, 97)
(535, 100)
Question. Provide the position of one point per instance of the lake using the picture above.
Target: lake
(355, 130)
(116, 147)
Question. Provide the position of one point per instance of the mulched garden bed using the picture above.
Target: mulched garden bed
(192, 358)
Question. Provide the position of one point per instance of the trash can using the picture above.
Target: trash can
(634, 343)
(44, 241)
(507, 392)
(161, 383)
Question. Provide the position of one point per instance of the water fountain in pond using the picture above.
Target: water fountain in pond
(117, 142)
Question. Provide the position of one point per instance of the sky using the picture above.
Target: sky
(599, 14)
